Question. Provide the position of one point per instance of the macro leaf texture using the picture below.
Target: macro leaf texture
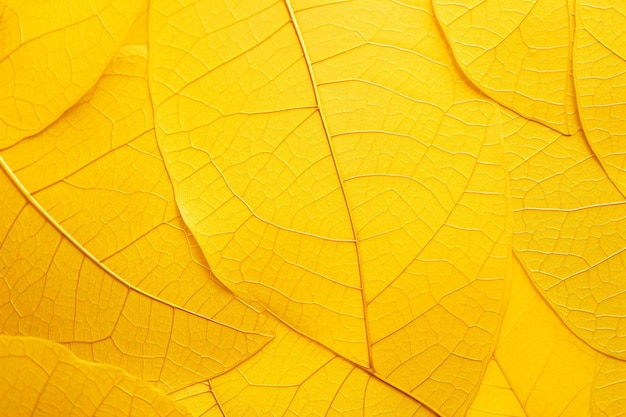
(313, 207)
(46, 379)
(51, 55)
(600, 67)
(343, 183)
(518, 52)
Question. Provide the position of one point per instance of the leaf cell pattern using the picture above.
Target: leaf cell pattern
(313, 207)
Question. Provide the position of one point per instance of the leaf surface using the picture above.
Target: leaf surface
(98, 173)
(346, 183)
(608, 397)
(600, 69)
(538, 355)
(569, 230)
(199, 400)
(98, 134)
(518, 52)
(294, 376)
(128, 221)
(98, 202)
(495, 397)
(51, 53)
(52, 288)
(41, 378)
(341, 174)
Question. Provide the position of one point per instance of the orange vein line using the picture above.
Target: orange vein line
(334, 158)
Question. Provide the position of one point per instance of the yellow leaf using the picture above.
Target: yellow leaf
(199, 400)
(518, 52)
(128, 220)
(495, 397)
(295, 376)
(41, 378)
(98, 173)
(600, 70)
(52, 288)
(550, 370)
(51, 53)
(609, 393)
(343, 175)
(569, 230)
(568, 233)
(80, 154)
(345, 181)
(126, 217)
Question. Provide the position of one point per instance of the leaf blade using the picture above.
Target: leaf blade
(599, 66)
(97, 325)
(42, 378)
(519, 53)
(267, 179)
(49, 58)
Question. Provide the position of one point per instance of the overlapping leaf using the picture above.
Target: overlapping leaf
(518, 52)
(60, 290)
(569, 230)
(99, 201)
(51, 53)
(552, 361)
(52, 288)
(294, 376)
(358, 198)
(600, 70)
(567, 235)
(337, 170)
(98, 173)
(495, 396)
(41, 378)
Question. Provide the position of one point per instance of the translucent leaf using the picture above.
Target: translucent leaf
(566, 233)
(52, 288)
(495, 397)
(346, 182)
(343, 175)
(99, 199)
(295, 376)
(518, 52)
(569, 230)
(41, 378)
(550, 370)
(97, 171)
(600, 69)
(51, 53)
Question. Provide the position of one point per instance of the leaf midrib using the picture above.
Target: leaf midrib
(42, 211)
(318, 104)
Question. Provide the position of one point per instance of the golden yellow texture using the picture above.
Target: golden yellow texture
(518, 52)
(313, 207)
(557, 379)
(53, 289)
(610, 379)
(495, 396)
(149, 251)
(570, 230)
(292, 376)
(52, 51)
(41, 378)
(600, 69)
(350, 219)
